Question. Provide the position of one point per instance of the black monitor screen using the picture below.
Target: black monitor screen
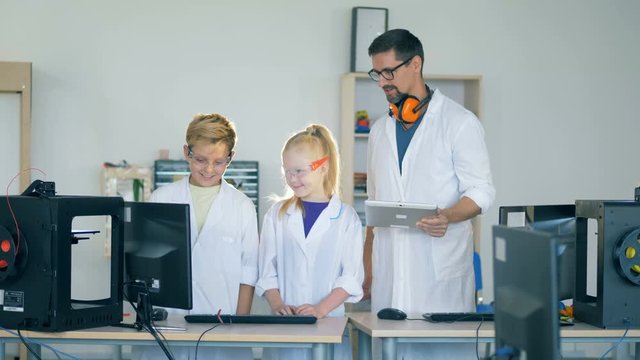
(559, 220)
(525, 265)
(157, 246)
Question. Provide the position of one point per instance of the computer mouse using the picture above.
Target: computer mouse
(391, 314)
(159, 314)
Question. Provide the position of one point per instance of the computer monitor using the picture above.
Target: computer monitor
(525, 266)
(559, 220)
(157, 246)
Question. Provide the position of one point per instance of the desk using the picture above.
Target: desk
(318, 336)
(392, 332)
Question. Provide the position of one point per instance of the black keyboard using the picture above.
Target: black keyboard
(250, 319)
(453, 317)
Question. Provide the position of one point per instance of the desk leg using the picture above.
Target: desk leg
(364, 346)
(319, 351)
(389, 348)
(116, 352)
(3, 354)
(637, 356)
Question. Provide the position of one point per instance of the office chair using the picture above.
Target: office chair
(477, 269)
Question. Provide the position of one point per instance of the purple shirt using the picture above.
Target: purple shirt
(311, 212)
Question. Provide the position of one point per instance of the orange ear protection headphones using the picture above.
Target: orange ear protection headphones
(408, 108)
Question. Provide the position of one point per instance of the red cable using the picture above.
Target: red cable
(220, 317)
(13, 215)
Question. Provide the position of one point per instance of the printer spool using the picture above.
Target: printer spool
(7, 253)
(626, 255)
(10, 261)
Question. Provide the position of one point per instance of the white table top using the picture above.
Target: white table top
(328, 330)
(370, 324)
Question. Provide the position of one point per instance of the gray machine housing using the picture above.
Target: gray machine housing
(616, 303)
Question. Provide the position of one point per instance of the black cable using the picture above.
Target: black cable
(163, 346)
(455, 321)
(24, 342)
(477, 337)
(200, 338)
(161, 334)
(150, 329)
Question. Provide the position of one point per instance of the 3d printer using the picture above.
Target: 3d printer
(615, 302)
(36, 240)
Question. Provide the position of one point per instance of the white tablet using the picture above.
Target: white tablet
(396, 214)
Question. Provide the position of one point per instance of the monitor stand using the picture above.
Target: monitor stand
(144, 316)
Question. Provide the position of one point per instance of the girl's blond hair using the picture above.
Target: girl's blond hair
(320, 140)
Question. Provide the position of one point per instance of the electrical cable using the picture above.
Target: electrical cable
(617, 343)
(200, 338)
(477, 336)
(24, 342)
(220, 322)
(15, 221)
(161, 334)
(455, 321)
(37, 342)
(164, 345)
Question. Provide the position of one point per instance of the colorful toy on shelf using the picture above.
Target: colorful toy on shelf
(566, 312)
(362, 121)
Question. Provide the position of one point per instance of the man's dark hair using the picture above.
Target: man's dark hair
(404, 43)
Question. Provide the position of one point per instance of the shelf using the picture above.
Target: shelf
(241, 174)
(166, 173)
(231, 176)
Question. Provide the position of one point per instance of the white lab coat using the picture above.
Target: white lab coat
(446, 159)
(223, 256)
(306, 270)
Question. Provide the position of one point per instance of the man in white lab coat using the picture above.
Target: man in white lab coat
(430, 150)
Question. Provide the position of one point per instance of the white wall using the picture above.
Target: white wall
(120, 80)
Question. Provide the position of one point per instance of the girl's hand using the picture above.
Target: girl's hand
(285, 310)
(310, 310)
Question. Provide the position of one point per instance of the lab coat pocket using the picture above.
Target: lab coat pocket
(229, 239)
(452, 253)
(230, 254)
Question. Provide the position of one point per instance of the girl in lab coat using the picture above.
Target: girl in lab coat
(311, 243)
(224, 232)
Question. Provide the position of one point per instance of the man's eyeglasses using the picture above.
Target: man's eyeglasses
(386, 73)
(202, 163)
(305, 169)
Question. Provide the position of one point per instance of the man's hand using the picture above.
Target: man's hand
(435, 226)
